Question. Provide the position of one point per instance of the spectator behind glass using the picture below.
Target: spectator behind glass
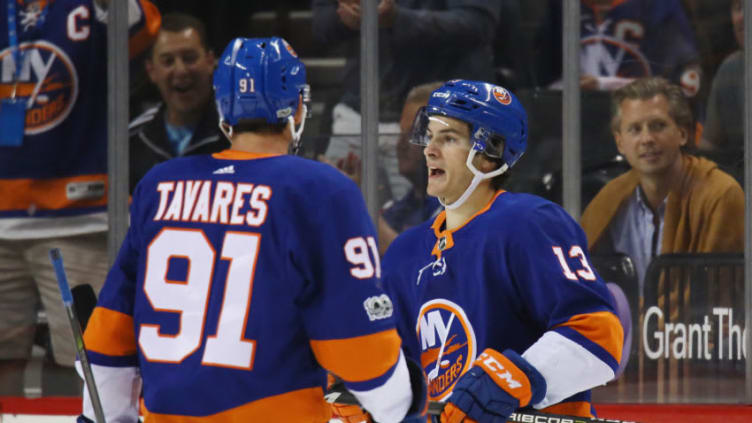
(53, 171)
(419, 41)
(185, 122)
(622, 40)
(415, 207)
(670, 201)
(724, 127)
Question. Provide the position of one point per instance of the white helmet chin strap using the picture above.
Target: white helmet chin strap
(226, 129)
(297, 134)
(477, 177)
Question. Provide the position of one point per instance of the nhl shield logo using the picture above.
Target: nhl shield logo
(448, 345)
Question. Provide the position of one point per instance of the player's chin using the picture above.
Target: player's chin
(433, 190)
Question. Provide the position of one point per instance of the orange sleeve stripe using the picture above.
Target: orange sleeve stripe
(47, 194)
(506, 374)
(574, 408)
(603, 328)
(345, 357)
(140, 41)
(110, 332)
(303, 405)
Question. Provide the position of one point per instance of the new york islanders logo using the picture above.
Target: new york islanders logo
(447, 342)
(502, 96)
(47, 81)
(612, 48)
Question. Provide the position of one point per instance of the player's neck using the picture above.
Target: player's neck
(252, 142)
(477, 201)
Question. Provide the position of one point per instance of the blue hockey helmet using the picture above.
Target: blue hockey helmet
(497, 119)
(259, 78)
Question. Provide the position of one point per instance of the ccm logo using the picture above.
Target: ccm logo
(498, 369)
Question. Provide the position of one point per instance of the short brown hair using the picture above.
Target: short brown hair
(422, 93)
(177, 22)
(647, 88)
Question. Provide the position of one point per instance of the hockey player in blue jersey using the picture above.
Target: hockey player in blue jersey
(499, 290)
(247, 275)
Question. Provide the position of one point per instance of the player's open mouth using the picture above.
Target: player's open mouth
(432, 171)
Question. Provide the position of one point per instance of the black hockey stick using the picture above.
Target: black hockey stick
(339, 394)
(65, 292)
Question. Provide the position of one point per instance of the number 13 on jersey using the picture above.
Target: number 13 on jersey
(575, 252)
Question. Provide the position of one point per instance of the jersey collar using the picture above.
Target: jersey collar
(444, 237)
(231, 154)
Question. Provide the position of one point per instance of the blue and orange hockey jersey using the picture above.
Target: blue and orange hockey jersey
(242, 279)
(55, 183)
(516, 275)
(630, 39)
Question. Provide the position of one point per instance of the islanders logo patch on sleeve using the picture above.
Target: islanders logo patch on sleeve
(447, 343)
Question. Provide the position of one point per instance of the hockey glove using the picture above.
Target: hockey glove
(496, 386)
(347, 413)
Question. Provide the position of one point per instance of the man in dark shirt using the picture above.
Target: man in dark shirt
(185, 122)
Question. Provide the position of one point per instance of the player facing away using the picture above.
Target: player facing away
(498, 288)
(246, 275)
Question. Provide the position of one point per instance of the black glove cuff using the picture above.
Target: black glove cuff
(418, 384)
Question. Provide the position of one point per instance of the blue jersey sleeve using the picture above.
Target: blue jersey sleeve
(551, 266)
(110, 334)
(583, 338)
(347, 316)
(396, 281)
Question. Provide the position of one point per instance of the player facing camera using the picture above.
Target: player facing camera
(484, 276)
(491, 121)
(260, 86)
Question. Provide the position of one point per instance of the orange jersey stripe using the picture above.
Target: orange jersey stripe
(447, 233)
(140, 41)
(241, 155)
(506, 374)
(47, 194)
(603, 328)
(345, 357)
(303, 405)
(110, 332)
(574, 408)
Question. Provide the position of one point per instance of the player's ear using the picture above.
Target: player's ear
(299, 112)
(485, 164)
